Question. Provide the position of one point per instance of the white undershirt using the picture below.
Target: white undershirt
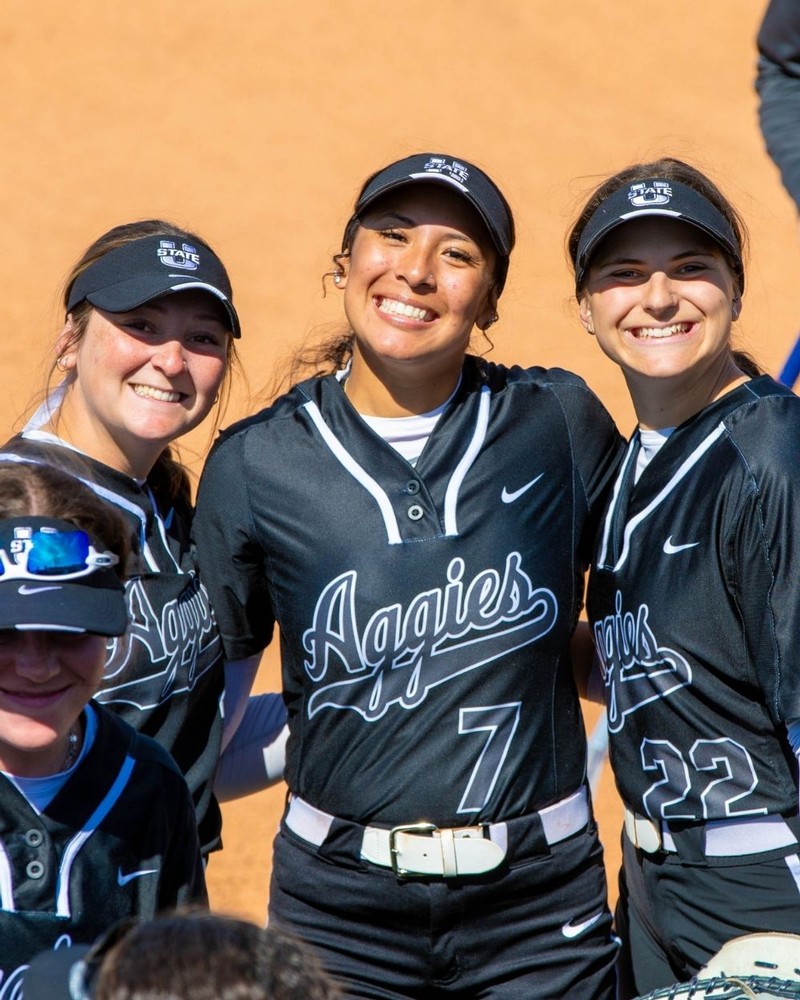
(407, 435)
(650, 443)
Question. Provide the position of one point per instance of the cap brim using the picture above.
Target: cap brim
(676, 201)
(373, 193)
(70, 606)
(50, 972)
(136, 291)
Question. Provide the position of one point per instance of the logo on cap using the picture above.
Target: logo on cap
(653, 193)
(456, 170)
(186, 259)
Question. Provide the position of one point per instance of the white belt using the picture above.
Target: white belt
(723, 838)
(420, 849)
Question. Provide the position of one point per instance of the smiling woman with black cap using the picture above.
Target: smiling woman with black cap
(146, 348)
(694, 595)
(415, 520)
(96, 822)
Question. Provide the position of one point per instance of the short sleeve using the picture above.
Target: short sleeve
(231, 560)
(596, 446)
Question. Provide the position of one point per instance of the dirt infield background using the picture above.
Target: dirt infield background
(254, 123)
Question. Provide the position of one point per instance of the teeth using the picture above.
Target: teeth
(393, 307)
(647, 332)
(149, 392)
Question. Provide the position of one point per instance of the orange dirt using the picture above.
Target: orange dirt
(255, 123)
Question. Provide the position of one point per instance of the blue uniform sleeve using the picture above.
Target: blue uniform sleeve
(230, 557)
(778, 86)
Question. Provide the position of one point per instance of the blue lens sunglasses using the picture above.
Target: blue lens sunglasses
(52, 555)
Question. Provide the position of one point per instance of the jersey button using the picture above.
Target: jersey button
(412, 487)
(34, 869)
(415, 512)
(34, 838)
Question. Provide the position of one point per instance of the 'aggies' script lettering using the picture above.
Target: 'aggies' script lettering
(402, 653)
(636, 670)
(176, 639)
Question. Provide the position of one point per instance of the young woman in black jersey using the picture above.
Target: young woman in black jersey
(96, 821)
(415, 519)
(693, 596)
(146, 349)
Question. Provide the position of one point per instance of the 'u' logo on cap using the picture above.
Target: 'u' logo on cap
(439, 165)
(656, 193)
(187, 258)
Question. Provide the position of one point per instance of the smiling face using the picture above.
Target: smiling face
(661, 298)
(46, 679)
(417, 280)
(143, 378)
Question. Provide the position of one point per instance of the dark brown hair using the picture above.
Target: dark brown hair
(206, 956)
(30, 488)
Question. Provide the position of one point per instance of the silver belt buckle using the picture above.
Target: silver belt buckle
(394, 850)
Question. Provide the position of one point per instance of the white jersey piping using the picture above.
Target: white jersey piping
(358, 473)
(77, 842)
(463, 467)
(681, 474)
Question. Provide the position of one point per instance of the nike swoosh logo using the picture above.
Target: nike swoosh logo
(124, 879)
(25, 590)
(670, 549)
(507, 497)
(570, 930)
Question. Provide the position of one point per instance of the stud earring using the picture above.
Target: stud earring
(61, 364)
(337, 279)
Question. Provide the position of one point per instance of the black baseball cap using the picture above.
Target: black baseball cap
(132, 274)
(470, 181)
(58, 975)
(70, 973)
(55, 577)
(656, 196)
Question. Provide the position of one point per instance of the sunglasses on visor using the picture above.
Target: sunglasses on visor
(52, 555)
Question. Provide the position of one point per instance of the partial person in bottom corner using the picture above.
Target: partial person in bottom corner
(417, 521)
(185, 955)
(693, 597)
(96, 821)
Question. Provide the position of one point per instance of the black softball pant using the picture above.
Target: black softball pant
(673, 916)
(537, 927)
